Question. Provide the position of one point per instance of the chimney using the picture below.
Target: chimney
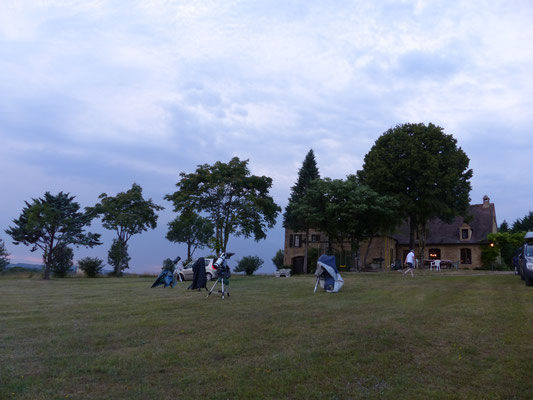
(486, 201)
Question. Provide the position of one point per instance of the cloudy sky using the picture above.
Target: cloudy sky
(96, 95)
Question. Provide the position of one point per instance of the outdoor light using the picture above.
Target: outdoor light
(492, 245)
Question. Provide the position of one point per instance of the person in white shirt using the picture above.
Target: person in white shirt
(410, 262)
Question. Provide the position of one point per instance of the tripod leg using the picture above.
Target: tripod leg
(214, 284)
(222, 288)
(316, 284)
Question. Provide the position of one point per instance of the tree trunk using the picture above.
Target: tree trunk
(367, 251)
(412, 231)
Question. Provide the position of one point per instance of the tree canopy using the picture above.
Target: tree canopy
(293, 217)
(346, 210)
(50, 223)
(524, 224)
(128, 214)
(422, 168)
(236, 202)
(192, 229)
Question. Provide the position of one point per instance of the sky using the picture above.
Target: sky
(97, 95)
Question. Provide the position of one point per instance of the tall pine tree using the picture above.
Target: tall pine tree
(306, 174)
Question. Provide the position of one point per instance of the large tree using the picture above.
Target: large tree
(423, 168)
(293, 219)
(52, 223)
(128, 214)
(236, 202)
(192, 229)
(347, 211)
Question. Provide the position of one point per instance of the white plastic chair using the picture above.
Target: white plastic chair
(435, 264)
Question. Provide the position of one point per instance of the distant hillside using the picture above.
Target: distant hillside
(25, 266)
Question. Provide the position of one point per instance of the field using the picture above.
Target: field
(446, 335)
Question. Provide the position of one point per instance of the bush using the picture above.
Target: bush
(249, 265)
(278, 259)
(91, 266)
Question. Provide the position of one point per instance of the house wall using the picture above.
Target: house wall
(380, 247)
(450, 252)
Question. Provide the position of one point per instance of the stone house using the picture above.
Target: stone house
(461, 241)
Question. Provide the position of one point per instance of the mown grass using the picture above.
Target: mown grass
(439, 335)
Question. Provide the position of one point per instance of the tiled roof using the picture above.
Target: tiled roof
(480, 219)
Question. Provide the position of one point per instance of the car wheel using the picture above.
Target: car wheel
(529, 281)
(182, 278)
(208, 276)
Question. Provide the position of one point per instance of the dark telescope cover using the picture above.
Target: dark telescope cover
(199, 279)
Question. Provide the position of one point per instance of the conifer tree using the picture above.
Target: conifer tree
(307, 174)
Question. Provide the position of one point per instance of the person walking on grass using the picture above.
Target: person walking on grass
(409, 263)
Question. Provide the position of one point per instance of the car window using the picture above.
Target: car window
(529, 250)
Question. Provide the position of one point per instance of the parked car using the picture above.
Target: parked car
(185, 273)
(525, 259)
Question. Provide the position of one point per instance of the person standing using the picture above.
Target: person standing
(410, 262)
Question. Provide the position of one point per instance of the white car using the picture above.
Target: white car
(185, 273)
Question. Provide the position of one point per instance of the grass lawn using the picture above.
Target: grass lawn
(450, 335)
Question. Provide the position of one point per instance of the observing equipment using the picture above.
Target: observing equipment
(223, 274)
(166, 277)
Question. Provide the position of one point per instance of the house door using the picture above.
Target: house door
(298, 265)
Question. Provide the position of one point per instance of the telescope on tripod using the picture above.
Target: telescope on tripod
(223, 274)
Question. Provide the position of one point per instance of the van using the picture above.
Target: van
(525, 259)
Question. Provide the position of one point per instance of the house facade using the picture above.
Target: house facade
(460, 242)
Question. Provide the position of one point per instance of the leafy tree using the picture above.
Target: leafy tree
(51, 222)
(278, 259)
(128, 214)
(504, 244)
(192, 229)
(423, 169)
(236, 202)
(118, 257)
(293, 219)
(523, 224)
(4, 256)
(347, 211)
(249, 265)
(91, 266)
(63, 256)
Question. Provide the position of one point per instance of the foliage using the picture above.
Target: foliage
(423, 168)
(236, 202)
(192, 229)
(292, 217)
(249, 265)
(63, 256)
(504, 227)
(128, 214)
(306, 174)
(91, 266)
(4, 259)
(346, 210)
(118, 257)
(52, 222)
(504, 245)
(523, 224)
(278, 259)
